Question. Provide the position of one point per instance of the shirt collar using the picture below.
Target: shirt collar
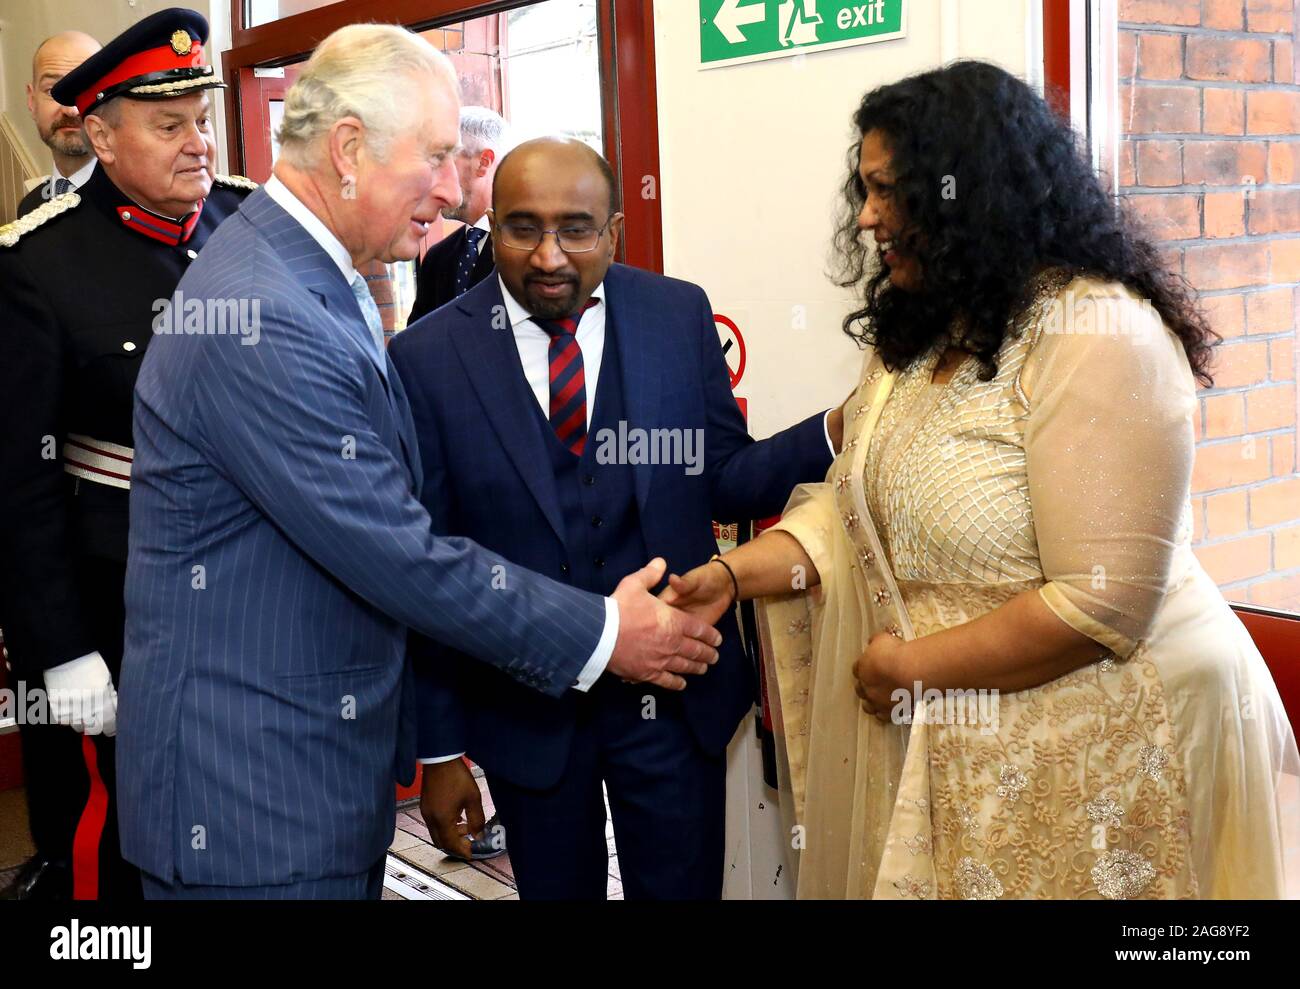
(483, 224)
(518, 314)
(309, 221)
(82, 175)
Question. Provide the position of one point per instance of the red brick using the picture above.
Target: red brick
(1127, 54)
(1274, 503)
(1275, 211)
(1236, 559)
(1227, 266)
(1238, 364)
(1224, 162)
(1271, 16)
(1229, 464)
(1162, 109)
(1198, 520)
(1271, 408)
(1226, 59)
(1283, 61)
(1127, 164)
(1272, 111)
(1168, 217)
(1171, 259)
(1225, 514)
(1187, 12)
(1282, 161)
(1284, 263)
(1282, 593)
(1281, 360)
(1160, 56)
(1225, 214)
(1223, 15)
(1159, 163)
(1270, 311)
(1284, 464)
(1286, 548)
(1225, 111)
(1226, 314)
(1225, 415)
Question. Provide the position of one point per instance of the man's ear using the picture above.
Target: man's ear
(31, 99)
(345, 139)
(615, 234)
(100, 136)
(485, 161)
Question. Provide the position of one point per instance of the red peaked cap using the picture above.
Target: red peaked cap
(156, 58)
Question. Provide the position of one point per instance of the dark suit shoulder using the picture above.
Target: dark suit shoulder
(652, 281)
(39, 194)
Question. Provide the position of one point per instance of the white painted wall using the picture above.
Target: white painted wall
(752, 159)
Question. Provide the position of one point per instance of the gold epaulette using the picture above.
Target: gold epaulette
(43, 213)
(234, 182)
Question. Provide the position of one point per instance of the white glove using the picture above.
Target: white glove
(81, 695)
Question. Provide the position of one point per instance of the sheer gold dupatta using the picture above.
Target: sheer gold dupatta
(840, 769)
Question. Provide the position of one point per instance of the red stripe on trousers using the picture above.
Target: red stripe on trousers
(85, 845)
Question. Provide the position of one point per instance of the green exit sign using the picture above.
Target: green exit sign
(749, 30)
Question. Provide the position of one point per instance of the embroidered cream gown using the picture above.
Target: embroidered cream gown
(1165, 769)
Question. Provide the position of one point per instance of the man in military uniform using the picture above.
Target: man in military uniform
(70, 348)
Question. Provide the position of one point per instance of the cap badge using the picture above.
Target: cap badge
(182, 43)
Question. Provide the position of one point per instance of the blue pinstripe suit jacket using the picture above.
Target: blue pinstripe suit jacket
(278, 554)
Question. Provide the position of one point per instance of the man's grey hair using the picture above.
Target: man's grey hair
(482, 128)
(363, 71)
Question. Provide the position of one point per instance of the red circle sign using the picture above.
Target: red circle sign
(726, 339)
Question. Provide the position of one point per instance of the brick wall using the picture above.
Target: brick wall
(1210, 160)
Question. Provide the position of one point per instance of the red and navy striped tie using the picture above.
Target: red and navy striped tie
(568, 383)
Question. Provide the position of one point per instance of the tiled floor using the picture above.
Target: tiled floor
(493, 879)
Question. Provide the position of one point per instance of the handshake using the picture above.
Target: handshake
(661, 639)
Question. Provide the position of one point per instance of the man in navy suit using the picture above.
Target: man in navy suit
(575, 415)
(278, 549)
(459, 262)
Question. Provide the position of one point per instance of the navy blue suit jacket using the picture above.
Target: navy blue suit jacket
(487, 476)
(278, 553)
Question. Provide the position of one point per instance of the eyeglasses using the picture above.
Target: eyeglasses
(573, 238)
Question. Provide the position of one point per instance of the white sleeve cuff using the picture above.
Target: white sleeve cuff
(604, 649)
(826, 430)
(432, 760)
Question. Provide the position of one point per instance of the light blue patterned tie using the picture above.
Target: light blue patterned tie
(371, 312)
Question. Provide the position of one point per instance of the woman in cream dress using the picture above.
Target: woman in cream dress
(1000, 670)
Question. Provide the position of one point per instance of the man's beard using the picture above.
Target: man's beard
(551, 309)
(72, 144)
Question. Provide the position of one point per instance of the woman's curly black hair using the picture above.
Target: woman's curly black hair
(1021, 197)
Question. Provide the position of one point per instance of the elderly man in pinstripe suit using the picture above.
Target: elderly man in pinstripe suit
(278, 547)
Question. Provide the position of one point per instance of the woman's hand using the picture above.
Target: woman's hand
(878, 673)
(705, 592)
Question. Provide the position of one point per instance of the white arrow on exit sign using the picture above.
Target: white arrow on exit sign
(732, 16)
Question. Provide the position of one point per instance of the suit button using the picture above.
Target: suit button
(598, 562)
(128, 346)
(191, 254)
(597, 521)
(588, 480)
(564, 568)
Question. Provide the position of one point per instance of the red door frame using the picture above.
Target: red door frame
(627, 70)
